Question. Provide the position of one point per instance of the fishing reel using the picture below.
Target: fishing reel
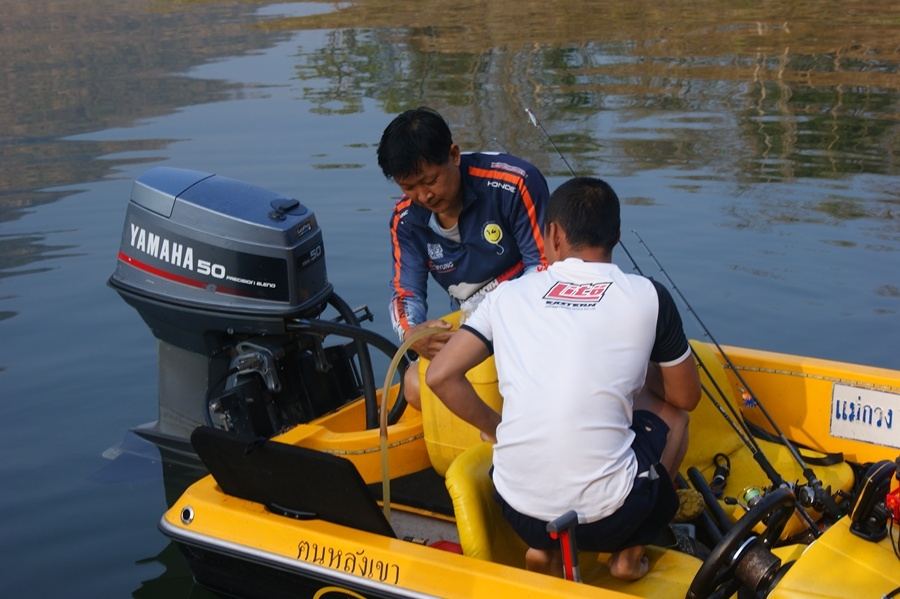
(876, 503)
(720, 474)
(813, 495)
(748, 499)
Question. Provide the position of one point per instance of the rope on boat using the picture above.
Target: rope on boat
(367, 450)
(817, 377)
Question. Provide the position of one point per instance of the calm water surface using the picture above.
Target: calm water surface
(755, 146)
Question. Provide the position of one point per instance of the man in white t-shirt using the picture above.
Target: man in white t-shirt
(572, 345)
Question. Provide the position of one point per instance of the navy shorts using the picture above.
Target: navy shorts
(648, 508)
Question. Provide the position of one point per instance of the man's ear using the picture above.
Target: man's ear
(555, 235)
(454, 154)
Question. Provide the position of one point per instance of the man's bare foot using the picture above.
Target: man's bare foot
(629, 564)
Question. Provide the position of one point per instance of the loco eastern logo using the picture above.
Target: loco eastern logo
(582, 294)
(492, 233)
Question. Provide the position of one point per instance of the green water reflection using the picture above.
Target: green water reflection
(811, 87)
(756, 91)
(80, 66)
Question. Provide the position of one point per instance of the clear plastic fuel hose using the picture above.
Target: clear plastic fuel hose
(392, 369)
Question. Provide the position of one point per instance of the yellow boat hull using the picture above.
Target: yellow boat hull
(239, 546)
(803, 395)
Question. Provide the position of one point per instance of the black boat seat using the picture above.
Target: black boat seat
(289, 480)
(485, 534)
(710, 434)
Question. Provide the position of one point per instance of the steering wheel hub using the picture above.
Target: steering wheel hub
(742, 557)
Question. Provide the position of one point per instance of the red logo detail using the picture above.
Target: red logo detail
(587, 293)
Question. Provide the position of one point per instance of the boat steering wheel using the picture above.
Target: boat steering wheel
(719, 573)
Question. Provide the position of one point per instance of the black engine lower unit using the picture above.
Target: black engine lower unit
(286, 388)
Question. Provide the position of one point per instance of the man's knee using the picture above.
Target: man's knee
(411, 391)
(676, 419)
(680, 419)
(545, 561)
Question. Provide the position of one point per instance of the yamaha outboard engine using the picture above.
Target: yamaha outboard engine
(231, 279)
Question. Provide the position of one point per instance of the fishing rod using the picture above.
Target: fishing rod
(737, 424)
(815, 495)
(537, 123)
(746, 437)
(540, 125)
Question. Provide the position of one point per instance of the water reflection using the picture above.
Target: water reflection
(81, 66)
(764, 93)
(176, 579)
(18, 251)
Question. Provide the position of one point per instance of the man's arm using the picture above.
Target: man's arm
(408, 306)
(446, 376)
(680, 384)
(526, 218)
(676, 371)
(409, 274)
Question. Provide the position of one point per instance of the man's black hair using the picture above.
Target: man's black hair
(587, 209)
(415, 136)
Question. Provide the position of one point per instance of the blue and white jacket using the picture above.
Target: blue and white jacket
(504, 199)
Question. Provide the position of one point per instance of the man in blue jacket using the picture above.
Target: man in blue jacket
(471, 220)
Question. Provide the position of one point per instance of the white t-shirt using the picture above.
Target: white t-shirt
(572, 344)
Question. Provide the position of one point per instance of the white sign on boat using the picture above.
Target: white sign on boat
(865, 415)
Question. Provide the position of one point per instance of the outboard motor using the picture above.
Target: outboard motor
(231, 279)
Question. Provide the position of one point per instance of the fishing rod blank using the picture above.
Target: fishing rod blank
(534, 121)
(739, 430)
(807, 472)
(724, 397)
(537, 123)
(814, 494)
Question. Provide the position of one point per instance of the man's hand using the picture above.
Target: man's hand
(489, 437)
(431, 345)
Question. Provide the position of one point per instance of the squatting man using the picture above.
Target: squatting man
(579, 430)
